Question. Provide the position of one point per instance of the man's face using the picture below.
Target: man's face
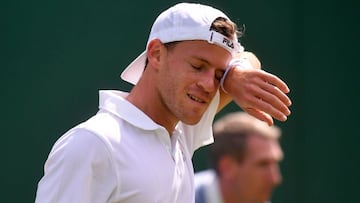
(259, 172)
(189, 77)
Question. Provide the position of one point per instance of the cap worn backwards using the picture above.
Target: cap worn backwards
(184, 21)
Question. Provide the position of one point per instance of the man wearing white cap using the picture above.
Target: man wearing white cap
(138, 147)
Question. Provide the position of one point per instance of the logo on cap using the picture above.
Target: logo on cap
(228, 42)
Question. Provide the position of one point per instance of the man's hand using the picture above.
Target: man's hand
(261, 94)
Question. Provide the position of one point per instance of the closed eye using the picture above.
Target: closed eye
(218, 73)
(197, 67)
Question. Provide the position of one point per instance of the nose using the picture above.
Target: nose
(275, 175)
(208, 82)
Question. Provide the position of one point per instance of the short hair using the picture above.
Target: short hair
(231, 132)
(227, 28)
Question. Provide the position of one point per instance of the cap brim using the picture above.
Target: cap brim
(135, 69)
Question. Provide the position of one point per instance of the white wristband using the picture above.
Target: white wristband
(242, 63)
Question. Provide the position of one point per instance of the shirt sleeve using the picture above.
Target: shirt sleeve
(79, 169)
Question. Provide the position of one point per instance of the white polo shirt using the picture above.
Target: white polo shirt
(121, 155)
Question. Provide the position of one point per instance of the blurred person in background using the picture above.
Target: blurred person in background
(244, 159)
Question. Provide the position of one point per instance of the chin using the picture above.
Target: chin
(191, 121)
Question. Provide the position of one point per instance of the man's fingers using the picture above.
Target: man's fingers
(268, 98)
(276, 98)
(260, 115)
(272, 95)
(274, 80)
(261, 94)
(270, 108)
(276, 92)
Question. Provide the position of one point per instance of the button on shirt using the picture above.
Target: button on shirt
(121, 156)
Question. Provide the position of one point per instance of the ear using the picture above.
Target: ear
(227, 167)
(154, 52)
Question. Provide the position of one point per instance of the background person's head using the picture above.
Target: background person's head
(246, 155)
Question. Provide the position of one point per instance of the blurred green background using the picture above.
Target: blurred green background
(56, 55)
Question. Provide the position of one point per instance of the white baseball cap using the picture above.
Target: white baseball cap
(183, 21)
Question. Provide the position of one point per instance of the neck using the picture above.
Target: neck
(230, 193)
(147, 99)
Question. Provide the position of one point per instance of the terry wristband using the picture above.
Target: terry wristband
(242, 63)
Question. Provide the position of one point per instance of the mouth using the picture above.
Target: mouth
(196, 99)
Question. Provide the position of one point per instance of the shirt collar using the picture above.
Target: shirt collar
(114, 102)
